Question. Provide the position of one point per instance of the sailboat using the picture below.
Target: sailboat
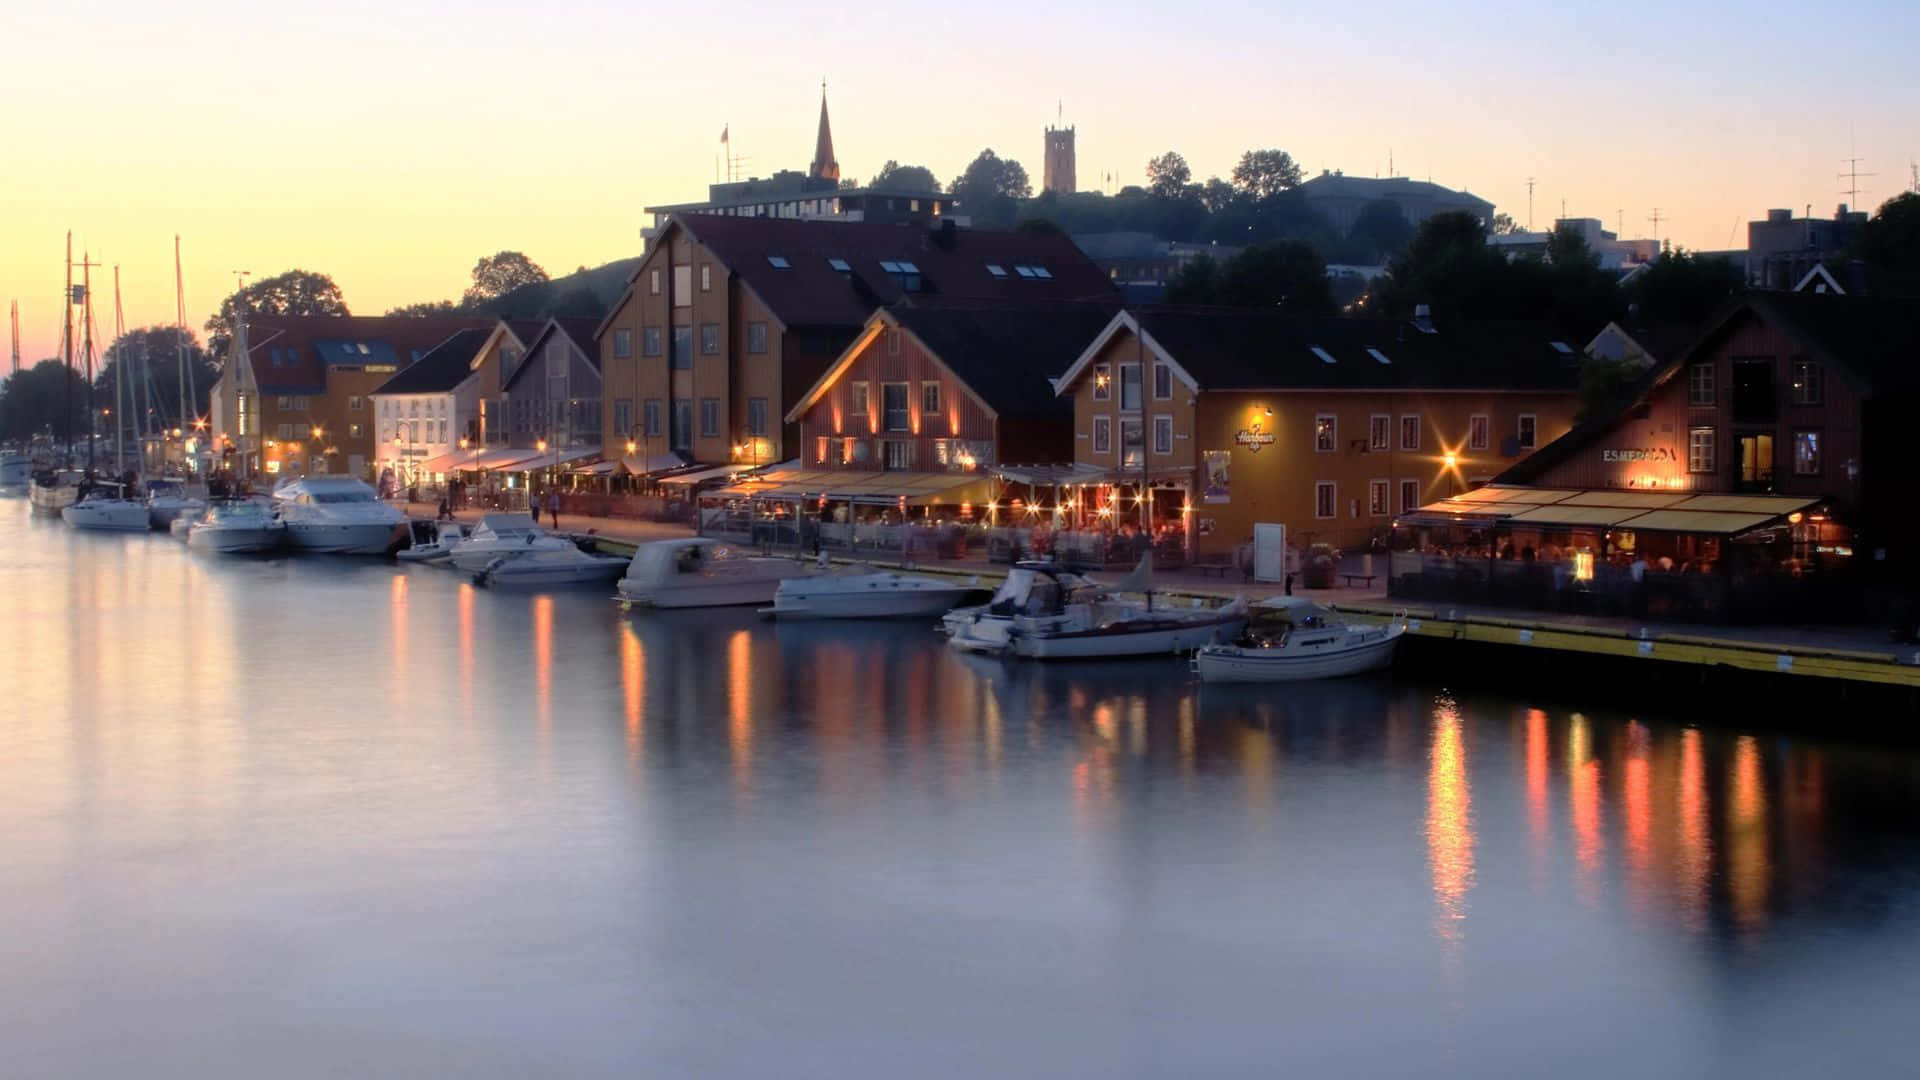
(1047, 613)
(54, 487)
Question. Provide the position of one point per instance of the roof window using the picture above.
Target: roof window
(996, 270)
(1561, 347)
(1325, 356)
(840, 264)
(1042, 272)
(1378, 355)
(779, 262)
(1024, 271)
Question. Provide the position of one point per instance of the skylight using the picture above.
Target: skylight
(1325, 356)
(996, 270)
(1378, 355)
(906, 268)
(1042, 272)
(1562, 348)
(1024, 271)
(840, 265)
(889, 266)
(779, 262)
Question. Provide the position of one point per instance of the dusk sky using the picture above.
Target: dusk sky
(391, 144)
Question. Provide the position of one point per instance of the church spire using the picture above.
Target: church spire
(824, 167)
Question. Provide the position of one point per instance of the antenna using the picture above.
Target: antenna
(1620, 222)
(1656, 218)
(1852, 177)
(15, 313)
(1529, 204)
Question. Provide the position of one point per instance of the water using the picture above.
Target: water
(324, 817)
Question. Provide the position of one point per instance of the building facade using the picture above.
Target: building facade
(1204, 422)
(1058, 173)
(425, 412)
(554, 395)
(1782, 249)
(1340, 198)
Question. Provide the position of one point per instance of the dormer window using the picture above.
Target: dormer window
(779, 262)
(841, 265)
(1378, 355)
(906, 273)
(1042, 273)
(996, 270)
(1024, 271)
(1325, 356)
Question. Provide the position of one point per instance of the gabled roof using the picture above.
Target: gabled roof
(1241, 349)
(950, 263)
(576, 332)
(292, 353)
(446, 366)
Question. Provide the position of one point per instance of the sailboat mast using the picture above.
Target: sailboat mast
(14, 312)
(121, 391)
(66, 351)
(86, 316)
(189, 412)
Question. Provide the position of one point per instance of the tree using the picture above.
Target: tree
(1168, 175)
(157, 352)
(32, 401)
(1380, 231)
(1567, 249)
(990, 189)
(1889, 245)
(425, 309)
(894, 176)
(1681, 288)
(1218, 195)
(296, 292)
(1287, 275)
(496, 275)
(1504, 225)
(1266, 172)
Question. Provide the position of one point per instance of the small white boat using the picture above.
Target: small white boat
(15, 471)
(1292, 639)
(335, 514)
(869, 594)
(701, 572)
(1047, 613)
(105, 506)
(551, 566)
(181, 526)
(500, 534)
(234, 526)
(432, 541)
(167, 499)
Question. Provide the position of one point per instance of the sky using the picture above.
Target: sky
(392, 144)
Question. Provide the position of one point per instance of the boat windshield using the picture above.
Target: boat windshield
(342, 497)
(237, 510)
(166, 487)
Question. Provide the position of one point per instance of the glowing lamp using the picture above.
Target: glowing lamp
(1452, 459)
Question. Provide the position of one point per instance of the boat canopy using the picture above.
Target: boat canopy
(658, 560)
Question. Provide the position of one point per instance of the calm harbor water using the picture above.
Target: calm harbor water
(322, 817)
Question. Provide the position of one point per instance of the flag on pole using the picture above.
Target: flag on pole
(723, 132)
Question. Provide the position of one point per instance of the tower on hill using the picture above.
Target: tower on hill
(1058, 175)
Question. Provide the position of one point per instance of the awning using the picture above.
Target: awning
(504, 458)
(701, 475)
(653, 463)
(448, 462)
(1052, 475)
(598, 468)
(1601, 509)
(877, 488)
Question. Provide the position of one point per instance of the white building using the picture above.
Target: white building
(1614, 253)
(425, 412)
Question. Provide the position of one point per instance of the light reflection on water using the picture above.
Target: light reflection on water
(315, 817)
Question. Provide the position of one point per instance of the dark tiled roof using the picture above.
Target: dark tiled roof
(952, 265)
(445, 367)
(1244, 350)
(525, 329)
(1008, 355)
(291, 353)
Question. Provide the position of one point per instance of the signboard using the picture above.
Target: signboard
(1219, 483)
(1639, 453)
(1253, 438)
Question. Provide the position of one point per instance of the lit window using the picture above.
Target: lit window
(1806, 382)
(1410, 432)
(1102, 382)
(1700, 450)
(1379, 432)
(1325, 433)
(1806, 453)
(1024, 271)
(1377, 498)
(1042, 272)
(1133, 450)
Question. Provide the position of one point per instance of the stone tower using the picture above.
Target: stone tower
(1058, 175)
(824, 167)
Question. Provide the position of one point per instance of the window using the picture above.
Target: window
(1377, 498)
(1023, 271)
(1700, 388)
(1102, 382)
(1700, 450)
(893, 405)
(1477, 432)
(650, 341)
(682, 348)
(1162, 382)
(1806, 382)
(854, 450)
(683, 286)
(757, 417)
(1103, 434)
(709, 418)
(653, 282)
(930, 399)
(899, 454)
(622, 344)
(354, 431)
(756, 337)
(709, 339)
(1163, 435)
(996, 270)
(779, 262)
(1133, 449)
(1529, 431)
(1323, 499)
(842, 266)
(1325, 433)
(893, 341)
(706, 277)
(682, 433)
(623, 416)
(283, 402)
(286, 432)
(1806, 453)
(1130, 387)
(356, 403)
(1379, 432)
(1410, 432)
(650, 418)
(1754, 393)
(857, 398)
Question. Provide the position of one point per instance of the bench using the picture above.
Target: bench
(1215, 566)
(1351, 578)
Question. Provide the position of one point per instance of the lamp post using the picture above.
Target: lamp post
(630, 449)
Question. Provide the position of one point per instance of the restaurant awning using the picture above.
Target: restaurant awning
(653, 463)
(1052, 475)
(702, 475)
(451, 461)
(504, 458)
(875, 488)
(1601, 509)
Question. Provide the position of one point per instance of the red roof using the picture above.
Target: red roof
(291, 353)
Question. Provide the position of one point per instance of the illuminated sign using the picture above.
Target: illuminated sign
(1253, 438)
(1639, 453)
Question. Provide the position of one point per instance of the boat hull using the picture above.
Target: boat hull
(236, 540)
(358, 538)
(1234, 663)
(797, 598)
(117, 516)
(50, 499)
(472, 558)
(746, 590)
(524, 573)
(1171, 639)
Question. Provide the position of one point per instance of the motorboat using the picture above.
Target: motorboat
(1292, 639)
(15, 471)
(551, 566)
(181, 526)
(702, 572)
(869, 594)
(431, 541)
(496, 535)
(234, 526)
(53, 490)
(1047, 613)
(335, 514)
(106, 506)
(167, 499)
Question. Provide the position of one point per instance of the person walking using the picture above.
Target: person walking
(553, 509)
(533, 504)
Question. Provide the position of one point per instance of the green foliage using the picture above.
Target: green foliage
(295, 292)
(894, 176)
(1681, 287)
(1604, 384)
(496, 275)
(990, 190)
(33, 400)
(1450, 266)
(1504, 225)
(1286, 275)
(1380, 231)
(1264, 173)
(425, 309)
(1168, 175)
(1889, 245)
(157, 351)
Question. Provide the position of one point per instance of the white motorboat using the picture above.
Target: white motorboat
(1292, 639)
(702, 572)
(167, 499)
(15, 471)
(1047, 613)
(868, 594)
(432, 541)
(336, 514)
(105, 506)
(234, 526)
(499, 534)
(181, 526)
(551, 566)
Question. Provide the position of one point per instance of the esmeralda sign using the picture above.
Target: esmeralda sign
(1639, 453)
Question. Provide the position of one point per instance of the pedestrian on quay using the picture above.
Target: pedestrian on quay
(533, 504)
(553, 509)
